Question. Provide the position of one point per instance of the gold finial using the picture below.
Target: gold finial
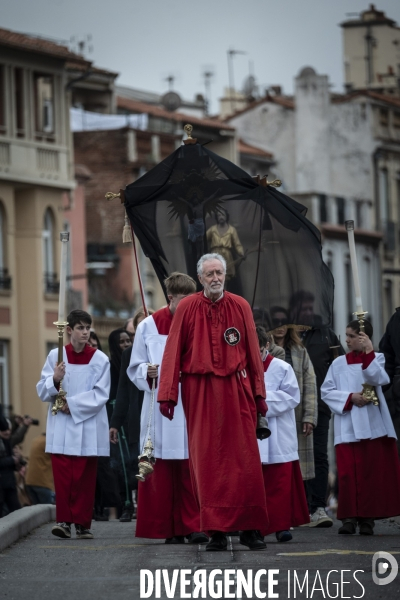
(112, 196)
(188, 130)
(275, 183)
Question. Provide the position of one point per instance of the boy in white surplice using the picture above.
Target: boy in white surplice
(365, 440)
(78, 433)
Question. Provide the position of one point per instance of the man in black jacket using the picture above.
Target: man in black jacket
(323, 346)
(390, 346)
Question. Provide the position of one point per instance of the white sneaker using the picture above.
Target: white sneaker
(320, 519)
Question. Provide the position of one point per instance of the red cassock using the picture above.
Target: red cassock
(215, 348)
(167, 506)
(369, 479)
(75, 476)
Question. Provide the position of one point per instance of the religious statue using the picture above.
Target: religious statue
(223, 239)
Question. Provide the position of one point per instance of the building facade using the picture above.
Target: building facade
(36, 174)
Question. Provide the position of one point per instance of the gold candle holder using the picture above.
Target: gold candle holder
(369, 392)
(60, 398)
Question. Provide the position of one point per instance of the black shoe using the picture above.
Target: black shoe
(251, 540)
(126, 516)
(217, 542)
(348, 527)
(177, 539)
(97, 517)
(283, 536)
(366, 527)
(197, 538)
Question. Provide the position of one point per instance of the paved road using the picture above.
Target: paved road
(42, 567)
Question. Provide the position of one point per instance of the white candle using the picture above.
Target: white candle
(354, 265)
(64, 237)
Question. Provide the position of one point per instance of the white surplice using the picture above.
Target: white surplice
(85, 432)
(368, 422)
(169, 437)
(283, 395)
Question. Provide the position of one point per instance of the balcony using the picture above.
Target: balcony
(5, 280)
(51, 285)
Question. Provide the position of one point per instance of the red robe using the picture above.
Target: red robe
(221, 376)
(167, 506)
(75, 476)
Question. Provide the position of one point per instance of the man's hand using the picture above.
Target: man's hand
(359, 400)
(27, 421)
(65, 409)
(365, 342)
(152, 371)
(59, 372)
(307, 429)
(261, 406)
(167, 408)
(113, 435)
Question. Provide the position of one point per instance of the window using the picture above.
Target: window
(50, 277)
(383, 117)
(44, 106)
(396, 120)
(384, 207)
(3, 129)
(359, 215)
(5, 279)
(4, 389)
(349, 290)
(19, 101)
(323, 209)
(340, 203)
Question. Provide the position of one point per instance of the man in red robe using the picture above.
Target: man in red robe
(212, 348)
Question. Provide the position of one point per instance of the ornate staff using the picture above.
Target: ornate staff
(147, 458)
(369, 392)
(61, 322)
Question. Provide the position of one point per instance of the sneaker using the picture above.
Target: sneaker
(320, 519)
(62, 530)
(82, 533)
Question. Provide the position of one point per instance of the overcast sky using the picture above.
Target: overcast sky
(145, 41)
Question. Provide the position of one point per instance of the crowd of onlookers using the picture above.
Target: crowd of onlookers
(309, 351)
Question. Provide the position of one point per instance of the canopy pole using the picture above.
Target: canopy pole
(146, 312)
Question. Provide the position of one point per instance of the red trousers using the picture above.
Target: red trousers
(369, 479)
(75, 485)
(166, 503)
(286, 498)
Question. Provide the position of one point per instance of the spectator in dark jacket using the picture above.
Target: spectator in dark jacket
(323, 346)
(390, 347)
(9, 463)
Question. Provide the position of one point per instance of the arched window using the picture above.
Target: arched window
(51, 286)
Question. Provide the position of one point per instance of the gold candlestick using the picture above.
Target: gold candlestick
(60, 398)
(369, 392)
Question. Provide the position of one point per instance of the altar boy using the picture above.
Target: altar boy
(283, 482)
(77, 434)
(365, 440)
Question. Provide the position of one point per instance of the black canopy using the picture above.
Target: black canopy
(273, 252)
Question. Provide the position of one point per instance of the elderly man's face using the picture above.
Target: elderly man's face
(212, 278)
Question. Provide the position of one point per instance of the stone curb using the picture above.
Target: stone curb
(21, 522)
